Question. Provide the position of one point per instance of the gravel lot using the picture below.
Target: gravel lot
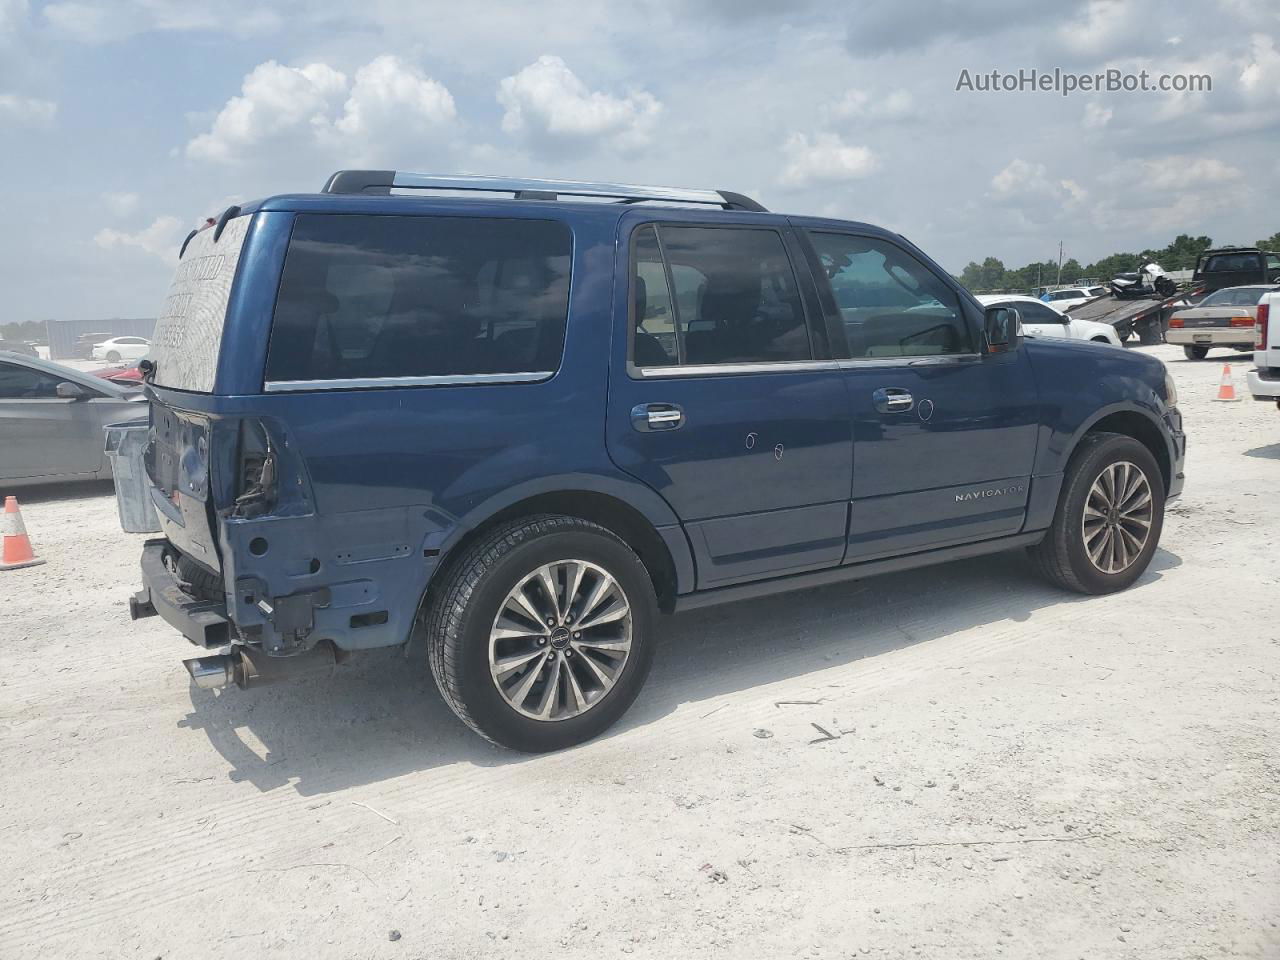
(959, 762)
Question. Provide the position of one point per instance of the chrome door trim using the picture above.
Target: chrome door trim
(732, 369)
(368, 383)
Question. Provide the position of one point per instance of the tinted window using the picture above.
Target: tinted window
(654, 343)
(1032, 312)
(1233, 261)
(736, 299)
(891, 303)
(23, 383)
(367, 296)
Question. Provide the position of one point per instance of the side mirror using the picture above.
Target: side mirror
(71, 391)
(1003, 328)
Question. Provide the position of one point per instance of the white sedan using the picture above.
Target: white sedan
(1041, 320)
(121, 348)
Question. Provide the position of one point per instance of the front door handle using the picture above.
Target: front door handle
(654, 417)
(893, 400)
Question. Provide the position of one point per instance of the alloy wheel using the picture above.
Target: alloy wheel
(1118, 513)
(560, 640)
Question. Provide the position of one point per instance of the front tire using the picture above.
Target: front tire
(541, 634)
(113, 356)
(1109, 518)
(1195, 353)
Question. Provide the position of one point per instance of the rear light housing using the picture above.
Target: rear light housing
(1244, 320)
(256, 471)
(1260, 326)
(1175, 321)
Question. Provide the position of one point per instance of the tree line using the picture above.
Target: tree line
(992, 276)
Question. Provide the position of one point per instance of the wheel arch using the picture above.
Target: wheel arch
(650, 529)
(1138, 424)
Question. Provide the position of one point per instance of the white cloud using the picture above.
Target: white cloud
(1096, 115)
(1261, 76)
(825, 158)
(1023, 180)
(1181, 173)
(1104, 28)
(318, 108)
(547, 103)
(29, 110)
(100, 21)
(121, 204)
(13, 13)
(275, 102)
(861, 103)
(390, 94)
(1027, 197)
(160, 239)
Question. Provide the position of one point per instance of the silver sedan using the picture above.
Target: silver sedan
(52, 419)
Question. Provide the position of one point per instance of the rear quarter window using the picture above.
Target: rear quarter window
(375, 297)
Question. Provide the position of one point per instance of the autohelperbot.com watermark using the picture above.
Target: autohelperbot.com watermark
(1065, 83)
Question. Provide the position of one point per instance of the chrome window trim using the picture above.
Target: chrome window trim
(927, 360)
(384, 383)
(730, 369)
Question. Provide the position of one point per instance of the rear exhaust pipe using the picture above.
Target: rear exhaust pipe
(249, 667)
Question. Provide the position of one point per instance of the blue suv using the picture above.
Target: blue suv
(518, 421)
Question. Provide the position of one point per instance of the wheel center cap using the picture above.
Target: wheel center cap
(559, 638)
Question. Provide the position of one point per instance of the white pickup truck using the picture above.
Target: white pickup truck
(1264, 379)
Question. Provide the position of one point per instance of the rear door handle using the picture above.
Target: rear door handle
(893, 400)
(653, 417)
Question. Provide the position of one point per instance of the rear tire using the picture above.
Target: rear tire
(471, 640)
(1195, 353)
(1066, 555)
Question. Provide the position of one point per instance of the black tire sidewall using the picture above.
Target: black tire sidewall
(1195, 353)
(1085, 471)
(486, 706)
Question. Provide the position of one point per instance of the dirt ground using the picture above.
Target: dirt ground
(959, 762)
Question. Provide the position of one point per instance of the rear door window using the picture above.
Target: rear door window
(715, 295)
(376, 297)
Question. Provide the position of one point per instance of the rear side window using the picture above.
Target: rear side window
(715, 295)
(372, 297)
(1033, 312)
(1227, 262)
(892, 305)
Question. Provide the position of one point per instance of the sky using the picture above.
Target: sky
(125, 123)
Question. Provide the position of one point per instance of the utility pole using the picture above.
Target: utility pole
(1059, 262)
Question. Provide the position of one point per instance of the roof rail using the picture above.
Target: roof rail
(383, 181)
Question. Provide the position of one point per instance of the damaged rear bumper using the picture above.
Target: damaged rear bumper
(203, 622)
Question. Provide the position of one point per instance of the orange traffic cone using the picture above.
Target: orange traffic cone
(1226, 387)
(17, 545)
